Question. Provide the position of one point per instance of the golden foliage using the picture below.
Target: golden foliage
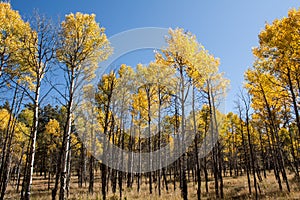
(83, 43)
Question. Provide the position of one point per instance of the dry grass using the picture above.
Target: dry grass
(234, 188)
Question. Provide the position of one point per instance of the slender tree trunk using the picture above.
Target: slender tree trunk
(274, 135)
(19, 169)
(103, 180)
(251, 151)
(262, 153)
(273, 154)
(245, 150)
(69, 170)
(122, 147)
(159, 138)
(149, 138)
(130, 164)
(219, 153)
(82, 167)
(294, 99)
(57, 175)
(176, 133)
(7, 150)
(66, 139)
(220, 164)
(184, 191)
(49, 179)
(105, 131)
(140, 164)
(213, 129)
(33, 135)
(165, 178)
(196, 148)
(91, 175)
(64, 169)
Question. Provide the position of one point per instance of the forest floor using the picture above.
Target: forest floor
(234, 188)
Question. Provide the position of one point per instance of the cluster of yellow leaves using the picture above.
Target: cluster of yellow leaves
(105, 88)
(139, 105)
(53, 134)
(53, 128)
(279, 49)
(84, 43)
(13, 32)
(4, 117)
(21, 131)
(280, 40)
(231, 136)
(125, 85)
(26, 116)
(182, 47)
(185, 52)
(265, 89)
(15, 38)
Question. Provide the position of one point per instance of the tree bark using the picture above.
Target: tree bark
(66, 138)
(33, 135)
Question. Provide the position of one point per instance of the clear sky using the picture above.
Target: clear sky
(227, 28)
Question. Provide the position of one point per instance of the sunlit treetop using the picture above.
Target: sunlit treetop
(279, 42)
(14, 34)
(184, 52)
(83, 43)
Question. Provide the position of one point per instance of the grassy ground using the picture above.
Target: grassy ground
(234, 188)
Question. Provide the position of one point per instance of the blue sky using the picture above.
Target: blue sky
(227, 28)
